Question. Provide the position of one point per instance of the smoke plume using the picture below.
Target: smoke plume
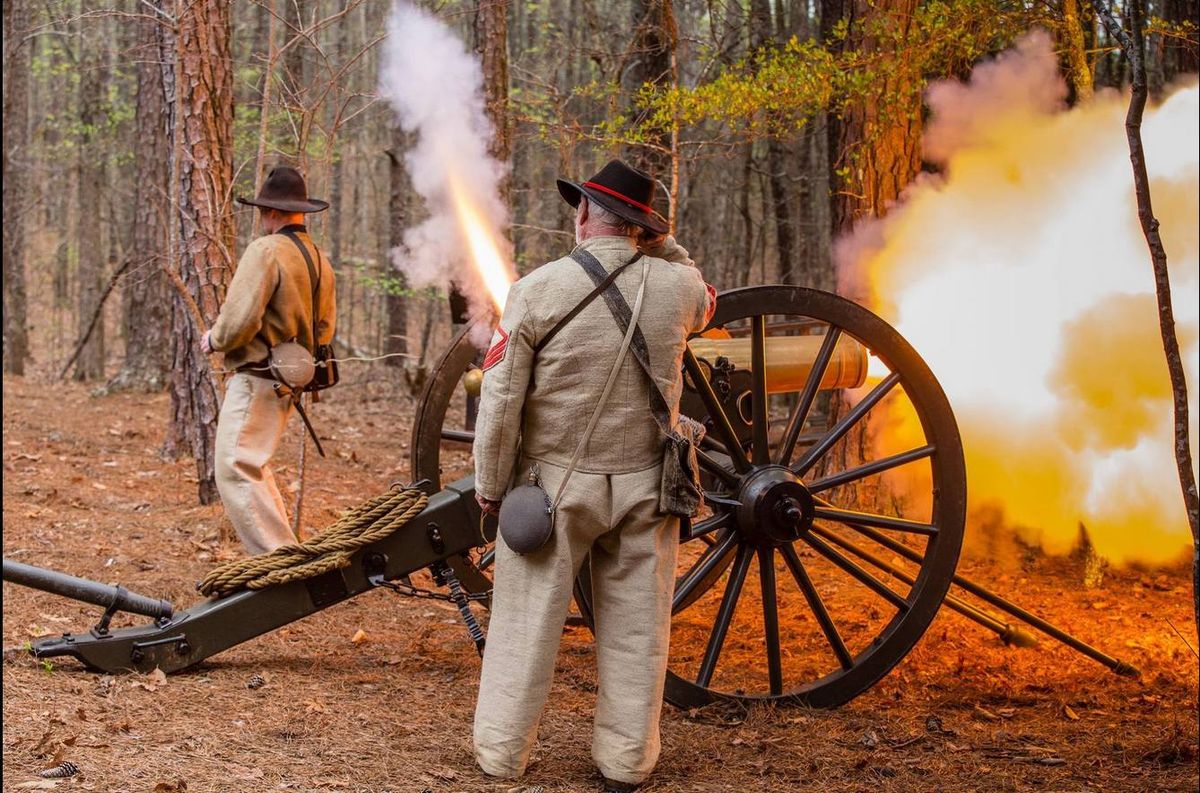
(1021, 274)
(435, 87)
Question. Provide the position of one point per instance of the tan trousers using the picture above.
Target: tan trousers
(251, 423)
(633, 551)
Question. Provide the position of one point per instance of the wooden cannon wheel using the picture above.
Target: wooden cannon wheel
(799, 485)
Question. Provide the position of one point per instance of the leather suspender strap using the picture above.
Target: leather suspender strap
(314, 278)
(627, 322)
(608, 387)
(605, 282)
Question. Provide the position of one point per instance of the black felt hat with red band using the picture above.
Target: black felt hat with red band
(621, 189)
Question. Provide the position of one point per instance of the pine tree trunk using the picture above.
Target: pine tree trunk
(655, 38)
(89, 274)
(491, 42)
(397, 304)
(877, 142)
(15, 177)
(202, 224)
(147, 296)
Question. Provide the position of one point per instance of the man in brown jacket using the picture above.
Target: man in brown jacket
(533, 408)
(271, 300)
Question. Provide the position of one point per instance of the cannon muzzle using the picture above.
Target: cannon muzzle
(114, 598)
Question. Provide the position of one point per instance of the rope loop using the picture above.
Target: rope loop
(360, 526)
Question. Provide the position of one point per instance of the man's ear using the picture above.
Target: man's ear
(583, 210)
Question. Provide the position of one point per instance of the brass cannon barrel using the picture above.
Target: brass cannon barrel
(790, 359)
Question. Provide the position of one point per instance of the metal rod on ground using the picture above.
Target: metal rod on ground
(1010, 608)
(114, 597)
(1008, 633)
(296, 513)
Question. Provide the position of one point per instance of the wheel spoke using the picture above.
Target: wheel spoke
(870, 469)
(803, 407)
(760, 428)
(847, 422)
(714, 467)
(766, 578)
(488, 557)
(818, 606)
(710, 561)
(716, 413)
(857, 573)
(851, 518)
(705, 527)
(716, 640)
(458, 436)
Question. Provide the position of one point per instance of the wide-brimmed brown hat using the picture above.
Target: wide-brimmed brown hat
(621, 189)
(285, 190)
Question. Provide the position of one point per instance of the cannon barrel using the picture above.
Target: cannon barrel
(116, 598)
(789, 361)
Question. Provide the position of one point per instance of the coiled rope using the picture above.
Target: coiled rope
(330, 550)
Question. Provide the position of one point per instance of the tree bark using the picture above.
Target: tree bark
(88, 239)
(203, 223)
(876, 143)
(397, 304)
(491, 42)
(1071, 40)
(17, 68)
(147, 297)
(762, 35)
(1132, 46)
(655, 37)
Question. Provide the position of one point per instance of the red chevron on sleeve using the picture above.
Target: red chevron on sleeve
(712, 302)
(496, 353)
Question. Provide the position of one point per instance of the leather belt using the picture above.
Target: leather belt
(256, 369)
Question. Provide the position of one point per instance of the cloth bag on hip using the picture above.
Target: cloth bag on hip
(681, 493)
(527, 512)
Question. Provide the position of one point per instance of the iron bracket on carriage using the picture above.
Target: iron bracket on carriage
(853, 536)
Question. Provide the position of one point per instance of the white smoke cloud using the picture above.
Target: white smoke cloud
(435, 86)
(1021, 275)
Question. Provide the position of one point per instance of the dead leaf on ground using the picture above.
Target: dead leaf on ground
(1070, 714)
(359, 637)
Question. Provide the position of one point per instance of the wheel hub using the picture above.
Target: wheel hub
(776, 508)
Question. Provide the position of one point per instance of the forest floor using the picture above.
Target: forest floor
(86, 491)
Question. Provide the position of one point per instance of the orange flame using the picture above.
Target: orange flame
(495, 273)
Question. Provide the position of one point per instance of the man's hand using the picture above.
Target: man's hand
(649, 243)
(206, 343)
(488, 506)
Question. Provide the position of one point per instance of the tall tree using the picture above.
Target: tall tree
(16, 182)
(202, 223)
(396, 341)
(491, 42)
(89, 250)
(147, 305)
(875, 144)
(653, 63)
(761, 36)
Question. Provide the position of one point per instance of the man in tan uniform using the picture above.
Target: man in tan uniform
(532, 412)
(270, 300)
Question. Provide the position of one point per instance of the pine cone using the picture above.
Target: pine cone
(61, 771)
(255, 681)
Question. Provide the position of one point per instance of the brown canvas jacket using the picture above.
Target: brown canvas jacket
(269, 301)
(537, 407)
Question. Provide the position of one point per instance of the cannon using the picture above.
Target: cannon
(822, 555)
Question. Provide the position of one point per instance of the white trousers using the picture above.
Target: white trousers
(252, 421)
(633, 550)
